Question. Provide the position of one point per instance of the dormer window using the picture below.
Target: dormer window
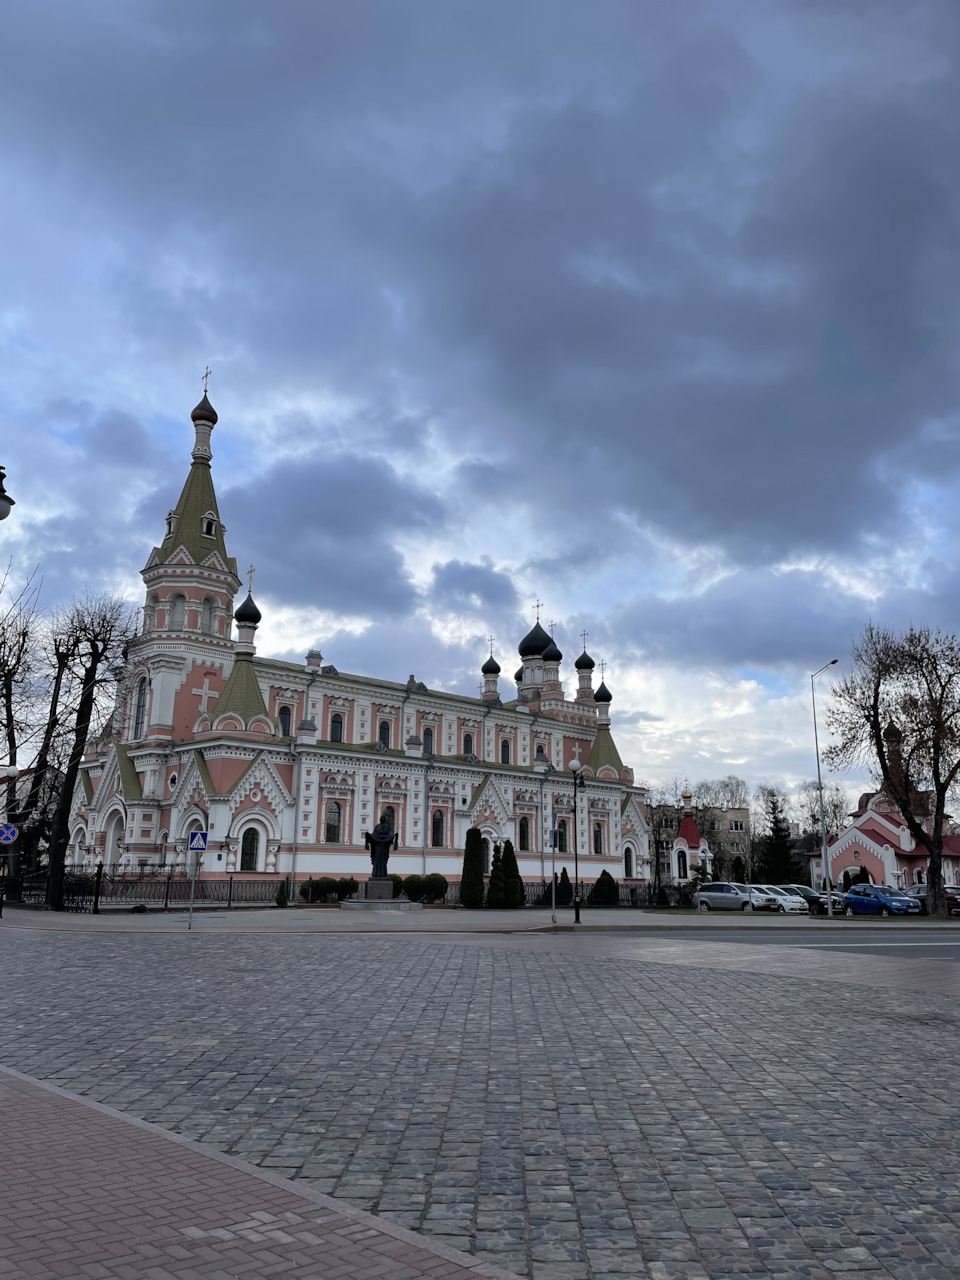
(171, 522)
(209, 525)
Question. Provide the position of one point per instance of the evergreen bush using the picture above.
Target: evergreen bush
(605, 893)
(281, 898)
(496, 895)
(546, 897)
(564, 890)
(346, 887)
(471, 879)
(434, 887)
(513, 892)
(397, 885)
(413, 887)
(318, 890)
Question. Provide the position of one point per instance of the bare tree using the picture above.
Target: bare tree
(97, 630)
(19, 661)
(836, 809)
(899, 709)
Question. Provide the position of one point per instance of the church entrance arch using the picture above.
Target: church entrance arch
(114, 847)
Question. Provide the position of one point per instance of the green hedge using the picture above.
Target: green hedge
(496, 889)
(605, 893)
(512, 881)
(318, 890)
(471, 881)
(434, 887)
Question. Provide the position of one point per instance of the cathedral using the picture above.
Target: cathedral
(286, 765)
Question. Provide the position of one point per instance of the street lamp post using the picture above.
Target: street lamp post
(578, 785)
(823, 817)
(545, 768)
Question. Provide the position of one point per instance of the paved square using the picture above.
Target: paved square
(563, 1106)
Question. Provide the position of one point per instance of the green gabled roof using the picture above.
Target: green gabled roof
(241, 694)
(196, 499)
(129, 778)
(604, 752)
(204, 772)
(479, 790)
(87, 785)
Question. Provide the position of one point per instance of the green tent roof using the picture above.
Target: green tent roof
(604, 752)
(197, 499)
(241, 694)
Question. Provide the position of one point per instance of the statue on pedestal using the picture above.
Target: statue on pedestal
(380, 841)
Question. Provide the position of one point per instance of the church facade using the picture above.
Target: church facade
(286, 765)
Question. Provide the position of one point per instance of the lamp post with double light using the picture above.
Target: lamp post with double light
(823, 816)
(543, 766)
(576, 768)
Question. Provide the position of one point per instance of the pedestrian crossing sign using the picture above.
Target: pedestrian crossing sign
(198, 841)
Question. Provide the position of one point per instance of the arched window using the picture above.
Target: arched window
(504, 752)
(384, 733)
(598, 838)
(562, 836)
(523, 833)
(249, 849)
(628, 863)
(436, 834)
(140, 713)
(150, 612)
(206, 615)
(334, 822)
(919, 876)
(209, 527)
(336, 727)
(468, 744)
(428, 742)
(284, 715)
(681, 864)
(390, 815)
(178, 606)
(485, 845)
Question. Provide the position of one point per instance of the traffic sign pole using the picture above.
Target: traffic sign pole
(196, 844)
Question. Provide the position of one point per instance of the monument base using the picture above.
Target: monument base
(377, 890)
(379, 904)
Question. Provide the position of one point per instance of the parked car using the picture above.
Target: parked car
(760, 898)
(878, 900)
(787, 899)
(952, 895)
(720, 896)
(815, 900)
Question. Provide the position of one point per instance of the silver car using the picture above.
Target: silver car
(720, 896)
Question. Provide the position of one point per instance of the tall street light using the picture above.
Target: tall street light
(823, 817)
(543, 766)
(578, 785)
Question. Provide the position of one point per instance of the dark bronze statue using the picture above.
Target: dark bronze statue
(380, 841)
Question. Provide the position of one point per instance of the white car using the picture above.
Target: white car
(761, 899)
(788, 900)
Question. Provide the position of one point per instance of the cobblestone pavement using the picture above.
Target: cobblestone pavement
(566, 1107)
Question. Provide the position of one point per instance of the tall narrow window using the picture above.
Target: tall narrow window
(140, 714)
(384, 733)
(249, 849)
(428, 742)
(504, 752)
(334, 822)
(681, 865)
(336, 727)
(284, 715)
(523, 833)
(598, 838)
(178, 607)
(436, 835)
(562, 836)
(628, 862)
(485, 845)
(468, 744)
(206, 615)
(390, 815)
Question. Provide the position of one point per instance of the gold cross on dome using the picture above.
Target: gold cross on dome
(250, 572)
(538, 605)
(206, 374)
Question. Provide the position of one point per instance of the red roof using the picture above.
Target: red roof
(689, 831)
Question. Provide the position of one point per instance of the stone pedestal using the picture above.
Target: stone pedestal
(379, 890)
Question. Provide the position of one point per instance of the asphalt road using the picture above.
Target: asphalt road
(935, 944)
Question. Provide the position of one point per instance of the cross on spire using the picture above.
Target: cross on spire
(538, 605)
(206, 374)
(583, 637)
(250, 572)
(551, 625)
(491, 639)
(603, 668)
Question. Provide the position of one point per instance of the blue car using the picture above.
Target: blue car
(878, 900)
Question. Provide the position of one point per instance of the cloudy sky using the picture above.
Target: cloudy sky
(648, 310)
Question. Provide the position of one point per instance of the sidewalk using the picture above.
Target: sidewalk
(91, 1193)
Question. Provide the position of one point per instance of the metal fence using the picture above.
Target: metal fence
(171, 890)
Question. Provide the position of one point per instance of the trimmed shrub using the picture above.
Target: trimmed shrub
(397, 885)
(318, 890)
(434, 887)
(564, 890)
(140, 909)
(663, 898)
(496, 896)
(605, 893)
(346, 887)
(513, 895)
(547, 896)
(471, 880)
(281, 898)
(413, 888)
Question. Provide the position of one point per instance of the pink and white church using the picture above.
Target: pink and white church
(287, 764)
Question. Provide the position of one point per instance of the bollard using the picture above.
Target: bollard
(230, 895)
(97, 884)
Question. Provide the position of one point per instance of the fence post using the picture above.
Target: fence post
(166, 892)
(230, 895)
(97, 883)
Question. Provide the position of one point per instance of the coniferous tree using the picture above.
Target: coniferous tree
(513, 891)
(496, 897)
(776, 851)
(564, 890)
(471, 879)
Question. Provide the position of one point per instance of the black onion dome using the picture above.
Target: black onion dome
(491, 667)
(204, 412)
(248, 613)
(603, 694)
(519, 676)
(534, 642)
(892, 734)
(551, 653)
(584, 662)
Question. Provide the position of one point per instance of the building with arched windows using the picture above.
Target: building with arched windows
(286, 765)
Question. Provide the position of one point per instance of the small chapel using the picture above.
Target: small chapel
(286, 765)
